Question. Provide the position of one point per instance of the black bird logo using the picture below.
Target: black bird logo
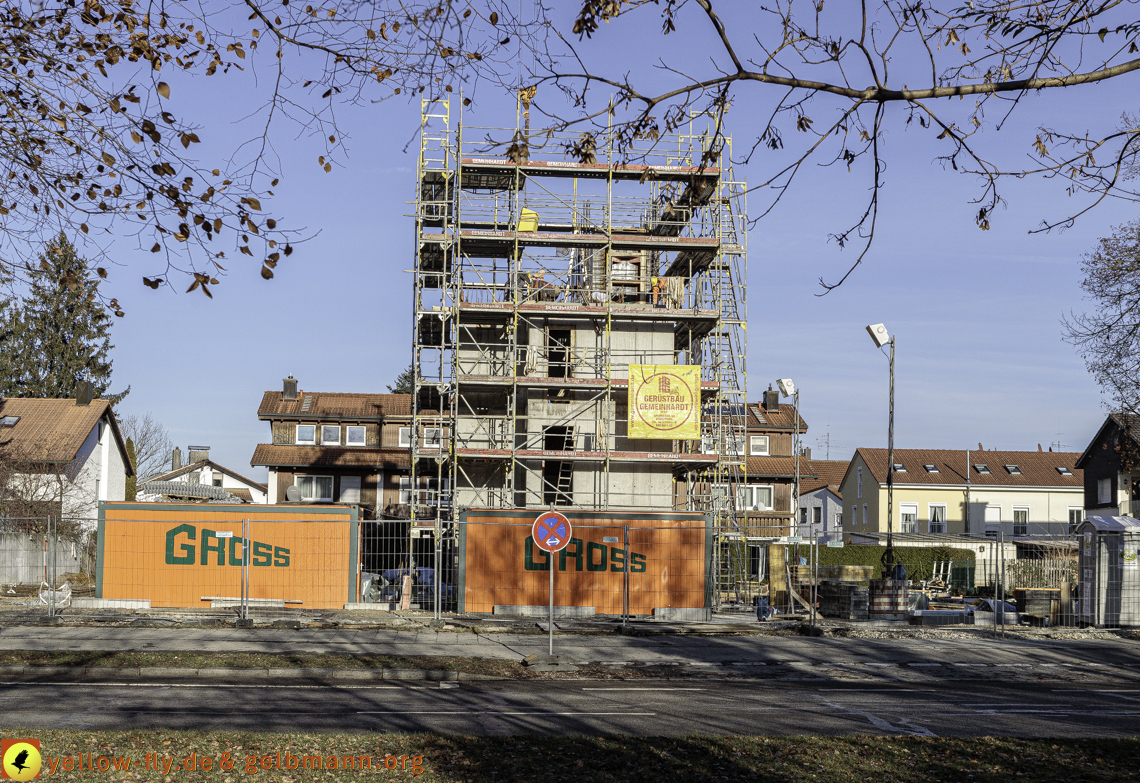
(18, 762)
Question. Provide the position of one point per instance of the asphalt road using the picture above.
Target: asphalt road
(588, 707)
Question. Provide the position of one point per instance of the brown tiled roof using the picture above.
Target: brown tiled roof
(336, 405)
(53, 430)
(778, 467)
(828, 473)
(270, 455)
(243, 494)
(198, 465)
(759, 418)
(1038, 468)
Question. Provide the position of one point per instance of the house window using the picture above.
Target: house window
(432, 437)
(817, 515)
(1020, 521)
(803, 516)
(316, 489)
(330, 434)
(217, 480)
(354, 436)
(405, 490)
(937, 517)
(908, 516)
(405, 437)
(859, 482)
(864, 515)
(1104, 490)
(350, 489)
(758, 445)
(1076, 517)
(306, 434)
(755, 497)
(734, 445)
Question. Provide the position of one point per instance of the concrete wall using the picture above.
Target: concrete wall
(22, 558)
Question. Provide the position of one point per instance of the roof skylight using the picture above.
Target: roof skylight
(1064, 471)
(931, 468)
(1013, 470)
(982, 468)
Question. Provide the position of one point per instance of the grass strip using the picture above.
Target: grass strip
(192, 660)
(460, 759)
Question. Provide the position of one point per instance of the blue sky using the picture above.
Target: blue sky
(977, 314)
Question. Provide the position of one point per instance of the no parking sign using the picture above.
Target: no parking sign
(551, 531)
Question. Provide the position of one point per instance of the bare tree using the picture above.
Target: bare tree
(831, 83)
(1108, 337)
(35, 484)
(152, 444)
(95, 145)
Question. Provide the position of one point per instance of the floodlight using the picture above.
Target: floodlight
(879, 334)
(786, 387)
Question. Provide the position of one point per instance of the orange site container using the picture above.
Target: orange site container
(185, 555)
(669, 562)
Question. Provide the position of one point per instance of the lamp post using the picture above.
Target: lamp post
(879, 334)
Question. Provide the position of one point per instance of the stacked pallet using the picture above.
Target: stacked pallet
(843, 600)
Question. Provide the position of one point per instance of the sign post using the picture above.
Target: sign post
(551, 533)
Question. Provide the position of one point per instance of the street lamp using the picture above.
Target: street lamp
(879, 334)
(788, 389)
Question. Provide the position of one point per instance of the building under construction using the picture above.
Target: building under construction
(541, 277)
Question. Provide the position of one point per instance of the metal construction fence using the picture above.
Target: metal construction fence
(620, 567)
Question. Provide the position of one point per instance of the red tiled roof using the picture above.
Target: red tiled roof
(53, 430)
(1038, 468)
(778, 467)
(760, 418)
(334, 405)
(829, 473)
(270, 455)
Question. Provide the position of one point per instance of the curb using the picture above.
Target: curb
(231, 673)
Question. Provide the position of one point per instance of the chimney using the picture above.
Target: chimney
(980, 447)
(83, 393)
(805, 452)
(290, 391)
(771, 399)
(1039, 447)
(197, 454)
(176, 459)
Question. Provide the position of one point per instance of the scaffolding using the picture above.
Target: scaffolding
(539, 277)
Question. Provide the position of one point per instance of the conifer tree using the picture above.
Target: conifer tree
(58, 332)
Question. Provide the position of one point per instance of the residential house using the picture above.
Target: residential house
(187, 482)
(1111, 467)
(337, 447)
(766, 497)
(1024, 493)
(60, 457)
(821, 500)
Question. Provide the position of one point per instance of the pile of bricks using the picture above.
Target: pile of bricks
(843, 600)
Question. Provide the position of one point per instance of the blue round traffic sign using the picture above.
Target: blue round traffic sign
(551, 531)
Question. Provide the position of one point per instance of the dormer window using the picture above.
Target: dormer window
(931, 468)
(306, 434)
(982, 468)
(1013, 470)
(1064, 471)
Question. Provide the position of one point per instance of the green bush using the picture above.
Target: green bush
(919, 560)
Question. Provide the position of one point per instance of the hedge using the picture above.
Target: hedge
(919, 560)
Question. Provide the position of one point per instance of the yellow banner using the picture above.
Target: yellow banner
(665, 401)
